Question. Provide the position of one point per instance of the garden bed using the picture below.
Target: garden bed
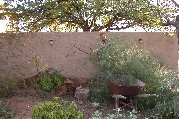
(23, 100)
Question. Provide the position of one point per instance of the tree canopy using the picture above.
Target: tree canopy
(89, 15)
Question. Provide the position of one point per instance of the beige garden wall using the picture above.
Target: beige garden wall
(21, 54)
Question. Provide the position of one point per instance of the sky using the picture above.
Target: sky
(4, 22)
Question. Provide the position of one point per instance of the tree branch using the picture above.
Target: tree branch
(109, 24)
(176, 4)
(81, 50)
(117, 28)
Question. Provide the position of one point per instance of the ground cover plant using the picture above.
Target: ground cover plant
(6, 112)
(56, 109)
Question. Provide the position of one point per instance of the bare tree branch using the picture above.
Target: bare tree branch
(81, 50)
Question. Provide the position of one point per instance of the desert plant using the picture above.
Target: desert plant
(56, 109)
(98, 90)
(118, 114)
(124, 59)
(6, 112)
(49, 81)
(167, 109)
(121, 59)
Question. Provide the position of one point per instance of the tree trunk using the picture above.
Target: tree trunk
(86, 28)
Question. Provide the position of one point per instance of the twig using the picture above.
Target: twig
(81, 50)
(70, 54)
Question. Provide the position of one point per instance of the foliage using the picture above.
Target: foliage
(56, 110)
(167, 90)
(121, 59)
(7, 87)
(98, 90)
(119, 114)
(49, 81)
(168, 109)
(6, 112)
(93, 15)
(146, 103)
(98, 115)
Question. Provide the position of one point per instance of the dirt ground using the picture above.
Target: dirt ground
(23, 100)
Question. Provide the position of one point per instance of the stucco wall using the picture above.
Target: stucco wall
(18, 52)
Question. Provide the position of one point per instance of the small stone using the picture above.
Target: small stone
(81, 93)
(68, 81)
(80, 102)
(51, 71)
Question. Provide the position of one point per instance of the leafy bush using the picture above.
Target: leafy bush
(56, 110)
(168, 109)
(49, 81)
(122, 59)
(99, 91)
(167, 89)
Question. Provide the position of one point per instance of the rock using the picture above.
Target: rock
(51, 71)
(68, 81)
(81, 93)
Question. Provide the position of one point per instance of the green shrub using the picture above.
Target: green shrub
(99, 91)
(168, 109)
(121, 59)
(49, 81)
(56, 110)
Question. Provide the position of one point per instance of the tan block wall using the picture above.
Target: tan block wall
(19, 51)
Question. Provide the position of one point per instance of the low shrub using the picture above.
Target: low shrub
(167, 109)
(48, 82)
(56, 109)
(122, 59)
(166, 90)
(99, 91)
